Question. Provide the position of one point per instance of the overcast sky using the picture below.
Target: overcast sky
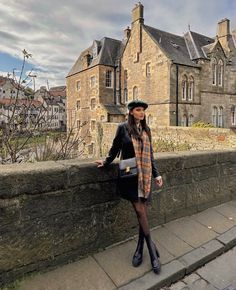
(55, 32)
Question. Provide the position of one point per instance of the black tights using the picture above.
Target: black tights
(140, 208)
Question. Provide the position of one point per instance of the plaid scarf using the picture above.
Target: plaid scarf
(142, 149)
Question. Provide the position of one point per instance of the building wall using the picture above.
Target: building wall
(154, 89)
(185, 107)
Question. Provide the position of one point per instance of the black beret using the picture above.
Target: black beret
(137, 103)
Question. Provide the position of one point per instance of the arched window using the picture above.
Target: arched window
(184, 88)
(214, 71)
(220, 117)
(215, 116)
(135, 93)
(184, 120)
(148, 70)
(220, 72)
(149, 119)
(233, 115)
(191, 88)
(190, 120)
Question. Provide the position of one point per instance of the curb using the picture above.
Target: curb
(178, 268)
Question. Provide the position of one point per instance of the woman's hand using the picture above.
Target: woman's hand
(159, 181)
(100, 163)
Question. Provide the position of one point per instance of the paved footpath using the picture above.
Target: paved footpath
(185, 245)
(217, 274)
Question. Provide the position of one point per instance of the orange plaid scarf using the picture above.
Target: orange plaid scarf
(142, 149)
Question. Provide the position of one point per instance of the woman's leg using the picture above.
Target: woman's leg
(140, 208)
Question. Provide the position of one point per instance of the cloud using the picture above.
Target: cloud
(55, 32)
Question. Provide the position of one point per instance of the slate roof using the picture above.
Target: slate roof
(195, 43)
(173, 45)
(113, 109)
(109, 51)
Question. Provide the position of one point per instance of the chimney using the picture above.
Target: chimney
(223, 33)
(127, 31)
(223, 28)
(137, 13)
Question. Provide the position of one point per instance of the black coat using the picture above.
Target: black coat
(123, 145)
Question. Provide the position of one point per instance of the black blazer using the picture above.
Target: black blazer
(123, 144)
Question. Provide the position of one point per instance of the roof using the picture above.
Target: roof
(108, 50)
(173, 45)
(20, 102)
(113, 109)
(195, 43)
(59, 91)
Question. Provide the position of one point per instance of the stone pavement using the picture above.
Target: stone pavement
(185, 244)
(217, 274)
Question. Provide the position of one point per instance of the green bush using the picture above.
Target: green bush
(201, 124)
(169, 146)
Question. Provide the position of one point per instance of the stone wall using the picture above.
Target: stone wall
(165, 138)
(56, 212)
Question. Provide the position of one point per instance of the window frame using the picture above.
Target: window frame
(109, 79)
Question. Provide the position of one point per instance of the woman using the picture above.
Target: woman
(133, 139)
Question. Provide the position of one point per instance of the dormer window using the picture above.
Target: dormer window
(89, 59)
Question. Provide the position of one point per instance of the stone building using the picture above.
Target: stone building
(184, 79)
(54, 104)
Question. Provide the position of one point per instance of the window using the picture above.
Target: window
(90, 148)
(149, 119)
(148, 70)
(215, 116)
(78, 86)
(135, 93)
(126, 95)
(184, 121)
(92, 81)
(108, 79)
(191, 89)
(220, 117)
(184, 88)
(93, 103)
(220, 72)
(125, 78)
(93, 123)
(214, 71)
(233, 115)
(190, 120)
(78, 124)
(78, 105)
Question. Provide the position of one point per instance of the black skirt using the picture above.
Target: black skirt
(127, 188)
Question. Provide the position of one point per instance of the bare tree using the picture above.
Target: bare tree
(23, 117)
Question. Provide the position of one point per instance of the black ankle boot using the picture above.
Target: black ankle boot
(138, 255)
(154, 255)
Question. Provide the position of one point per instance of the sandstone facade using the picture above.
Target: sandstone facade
(184, 79)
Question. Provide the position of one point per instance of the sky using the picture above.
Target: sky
(55, 32)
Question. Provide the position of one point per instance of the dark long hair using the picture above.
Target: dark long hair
(132, 127)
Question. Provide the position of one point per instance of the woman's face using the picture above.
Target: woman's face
(138, 113)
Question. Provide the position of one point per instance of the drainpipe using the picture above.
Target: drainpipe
(177, 96)
(115, 101)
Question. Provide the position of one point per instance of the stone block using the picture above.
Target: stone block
(201, 255)
(45, 177)
(228, 238)
(199, 159)
(170, 273)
